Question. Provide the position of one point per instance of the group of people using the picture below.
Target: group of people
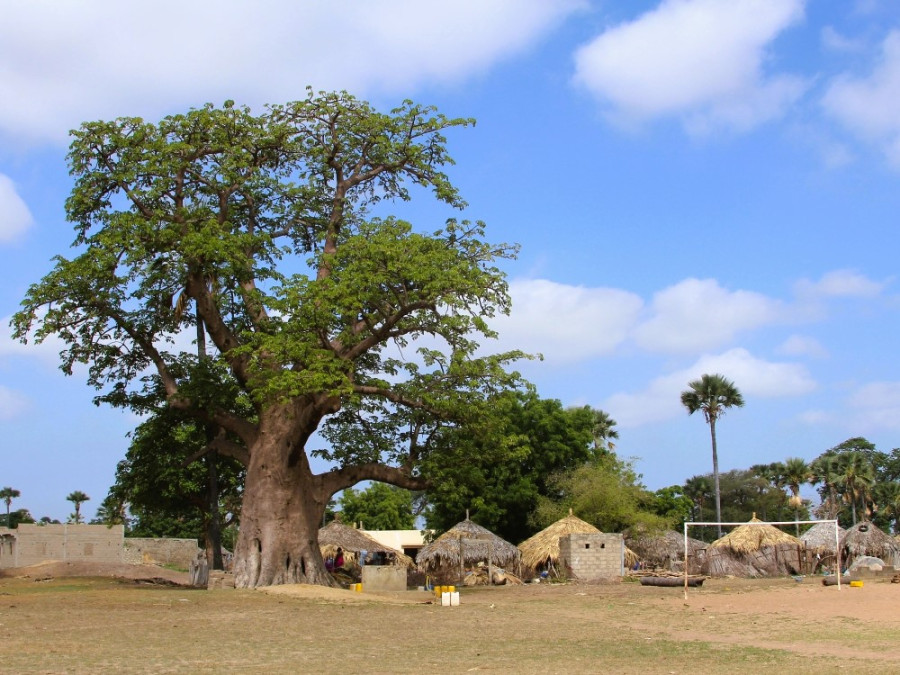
(336, 562)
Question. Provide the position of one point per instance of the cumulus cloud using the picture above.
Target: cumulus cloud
(877, 406)
(68, 62)
(698, 314)
(567, 323)
(840, 284)
(754, 377)
(700, 60)
(15, 217)
(869, 106)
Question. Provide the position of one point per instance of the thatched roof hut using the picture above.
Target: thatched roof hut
(541, 551)
(755, 549)
(467, 544)
(352, 541)
(866, 539)
(820, 538)
(666, 550)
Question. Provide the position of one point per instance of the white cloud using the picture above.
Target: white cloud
(834, 41)
(701, 60)
(67, 62)
(840, 284)
(567, 323)
(754, 377)
(802, 345)
(698, 314)
(870, 106)
(12, 403)
(877, 406)
(15, 217)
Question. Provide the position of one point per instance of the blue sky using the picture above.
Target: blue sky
(697, 186)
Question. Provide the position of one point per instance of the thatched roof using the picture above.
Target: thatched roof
(478, 543)
(352, 541)
(866, 539)
(820, 538)
(666, 549)
(753, 550)
(544, 546)
(754, 536)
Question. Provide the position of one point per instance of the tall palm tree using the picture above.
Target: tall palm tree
(603, 429)
(713, 394)
(857, 477)
(795, 472)
(7, 494)
(824, 470)
(77, 498)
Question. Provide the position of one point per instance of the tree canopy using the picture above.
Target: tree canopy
(378, 507)
(499, 468)
(312, 308)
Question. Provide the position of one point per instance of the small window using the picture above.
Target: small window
(602, 545)
(587, 545)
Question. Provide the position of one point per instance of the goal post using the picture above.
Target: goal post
(837, 543)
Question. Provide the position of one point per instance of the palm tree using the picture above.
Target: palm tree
(824, 470)
(77, 498)
(795, 472)
(713, 394)
(603, 430)
(889, 498)
(7, 494)
(696, 489)
(856, 477)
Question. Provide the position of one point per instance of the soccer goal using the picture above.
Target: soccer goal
(759, 523)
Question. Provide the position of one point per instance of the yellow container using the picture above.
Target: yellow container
(856, 584)
(449, 589)
(358, 588)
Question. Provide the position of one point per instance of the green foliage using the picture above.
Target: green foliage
(847, 475)
(163, 480)
(261, 222)
(13, 518)
(378, 507)
(673, 504)
(497, 466)
(745, 494)
(77, 498)
(605, 492)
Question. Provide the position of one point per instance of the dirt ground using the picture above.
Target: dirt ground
(118, 622)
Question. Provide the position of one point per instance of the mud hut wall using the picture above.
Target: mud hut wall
(593, 557)
(94, 543)
(160, 551)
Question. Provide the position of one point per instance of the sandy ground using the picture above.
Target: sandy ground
(58, 570)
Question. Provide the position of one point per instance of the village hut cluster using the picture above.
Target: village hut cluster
(469, 554)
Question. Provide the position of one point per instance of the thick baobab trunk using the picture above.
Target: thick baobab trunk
(280, 517)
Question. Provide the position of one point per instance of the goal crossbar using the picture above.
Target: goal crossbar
(837, 543)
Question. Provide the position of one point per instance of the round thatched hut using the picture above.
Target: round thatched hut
(820, 544)
(352, 541)
(755, 549)
(465, 545)
(665, 550)
(865, 539)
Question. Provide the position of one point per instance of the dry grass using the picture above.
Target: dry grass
(91, 625)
